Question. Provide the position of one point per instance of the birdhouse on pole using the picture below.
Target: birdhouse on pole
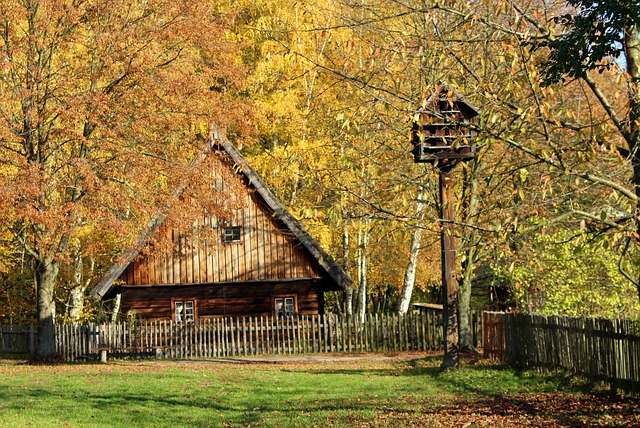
(442, 131)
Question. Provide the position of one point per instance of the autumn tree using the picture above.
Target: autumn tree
(326, 148)
(568, 273)
(596, 37)
(101, 103)
(370, 64)
(545, 149)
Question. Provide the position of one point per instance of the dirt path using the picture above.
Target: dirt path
(282, 359)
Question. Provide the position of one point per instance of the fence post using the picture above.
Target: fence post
(89, 334)
(32, 339)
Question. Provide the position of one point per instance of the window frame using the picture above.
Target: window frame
(285, 312)
(176, 302)
(232, 235)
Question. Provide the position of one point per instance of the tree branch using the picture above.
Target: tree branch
(624, 130)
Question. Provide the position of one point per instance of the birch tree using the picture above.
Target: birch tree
(416, 242)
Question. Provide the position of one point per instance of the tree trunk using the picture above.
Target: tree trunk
(76, 302)
(76, 297)
(464, 302)
(347, 264)
(471, 207)
(363, 265)
(412, 265)
(116, 308)
(46, 275)
(632, 56)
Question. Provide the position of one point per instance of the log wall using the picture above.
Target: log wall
(226, 299)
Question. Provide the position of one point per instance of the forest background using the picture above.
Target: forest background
(106, 103)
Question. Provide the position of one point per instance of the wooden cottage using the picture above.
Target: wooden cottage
(264, 263)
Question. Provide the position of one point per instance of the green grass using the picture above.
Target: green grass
(354, 393)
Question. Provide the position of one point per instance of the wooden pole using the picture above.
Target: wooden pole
(449, 280)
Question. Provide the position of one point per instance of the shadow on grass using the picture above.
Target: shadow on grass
(14, 357)
(516, 397)
(409, 392)
(138, 409)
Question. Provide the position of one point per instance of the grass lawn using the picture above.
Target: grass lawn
(369, 393)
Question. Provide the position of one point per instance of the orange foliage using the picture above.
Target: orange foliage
(101, 105)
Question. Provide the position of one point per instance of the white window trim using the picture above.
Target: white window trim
(183, 304)
(285, 305)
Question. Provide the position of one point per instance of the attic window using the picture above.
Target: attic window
(231, 234)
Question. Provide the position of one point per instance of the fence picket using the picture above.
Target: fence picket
(329, 330)
(225, 337)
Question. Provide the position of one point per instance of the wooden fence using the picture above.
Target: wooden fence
(17, 339)
(599, 350)
(228, 337)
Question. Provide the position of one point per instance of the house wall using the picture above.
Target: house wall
(217, 300)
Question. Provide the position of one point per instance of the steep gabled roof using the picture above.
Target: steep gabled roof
(336, 273)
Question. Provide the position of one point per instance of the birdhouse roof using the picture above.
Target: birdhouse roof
(445, 93)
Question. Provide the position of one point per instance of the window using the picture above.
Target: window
(284, 306)
(184, 310)
(232, 234)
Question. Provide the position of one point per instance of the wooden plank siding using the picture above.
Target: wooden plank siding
(225, 279)
(266, 252)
